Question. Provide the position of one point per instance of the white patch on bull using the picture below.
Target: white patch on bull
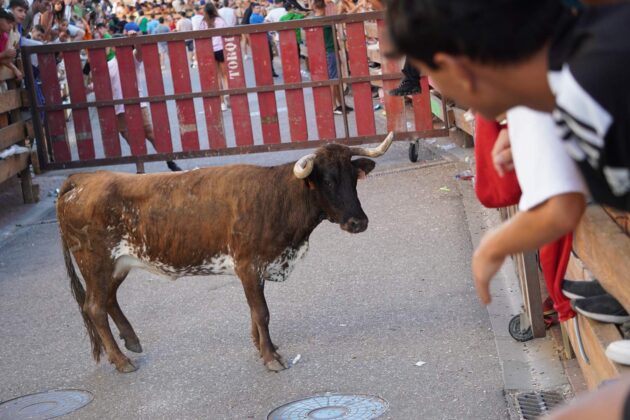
(128, 256)
(280, 268)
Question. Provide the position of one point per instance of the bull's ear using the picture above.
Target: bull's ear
(364, 166)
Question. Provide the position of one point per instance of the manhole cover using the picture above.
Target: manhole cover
(332, 406)
(533, 405)
(44, 405)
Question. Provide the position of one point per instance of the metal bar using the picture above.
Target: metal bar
(242, 150)
(207, 33)
(219, 92)
(42, 146)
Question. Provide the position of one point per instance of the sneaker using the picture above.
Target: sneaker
(223, 106)
(406, 87)
(582, 289)
(604, 308)
(619, 352)
(338, 110)
(173, 166)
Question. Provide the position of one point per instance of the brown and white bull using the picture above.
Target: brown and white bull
(246, 220)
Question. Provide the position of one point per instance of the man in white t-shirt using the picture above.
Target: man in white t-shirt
(227, 13)
(274, 15)
(197, 18)
(184, 25)
(553, 193)
(114, 77)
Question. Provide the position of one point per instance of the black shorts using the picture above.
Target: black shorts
(218, 56)
(190, 45)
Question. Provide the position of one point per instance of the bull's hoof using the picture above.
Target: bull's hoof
(133, 346)
(277, 364)
(126, 367)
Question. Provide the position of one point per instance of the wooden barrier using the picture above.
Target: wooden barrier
(82, 141)
(16, 132)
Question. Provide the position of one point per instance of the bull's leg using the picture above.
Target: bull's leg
(122, 323)
(254, 291)
(256, 337)
(96, 308)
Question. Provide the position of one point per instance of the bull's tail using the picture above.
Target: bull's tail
(79, 294)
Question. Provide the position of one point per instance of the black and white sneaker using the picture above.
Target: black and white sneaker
(603, 308)
(582, 289)
(173, 166)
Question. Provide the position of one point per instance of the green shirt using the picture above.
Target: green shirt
(143, 24)
(110, 51)
(294, 16)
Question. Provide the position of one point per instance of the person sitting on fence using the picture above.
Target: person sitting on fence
(8, 46)
(114, 75)
(319, 9)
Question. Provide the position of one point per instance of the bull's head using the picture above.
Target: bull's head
(332, 174)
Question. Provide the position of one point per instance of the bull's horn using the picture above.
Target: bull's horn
(304, 166)
(375, 151)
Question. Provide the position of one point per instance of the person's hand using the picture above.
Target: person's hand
(485, 264)
(502, 153)
(18, 74)
(9, 53)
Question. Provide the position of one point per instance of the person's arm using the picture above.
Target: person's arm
(16, 72)
(526, 231)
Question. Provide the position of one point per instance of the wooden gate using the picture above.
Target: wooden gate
(77, 124)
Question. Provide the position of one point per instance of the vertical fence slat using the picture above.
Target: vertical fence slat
(209, 79)
(357, 57)
(266, 100)
(80, 117)
(241, 117)
(103, 92)
(394, 105)
(322, 96)
(155, 87)
(295, 97)
(56, 119)
(181, 84)
(133, 114)
(423, 116)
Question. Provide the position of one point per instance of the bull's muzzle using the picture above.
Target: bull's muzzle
(355, 224)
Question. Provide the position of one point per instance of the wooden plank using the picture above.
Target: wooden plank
(10, 100)
(56, 119)
(12, 134)
(595, 338)
(163, 141)
(241, 117)
(423, 117)
(394, 105)
(266, 100)
(357, 60)
(133, 114)
(621, 218)
(461, 122)
(80, 117)
(103, 92)
(13, 165)
(322, 96)
(209, 78)
(180, 72)
(292, 74)
(605, 249)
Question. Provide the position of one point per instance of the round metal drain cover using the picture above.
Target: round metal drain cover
(44, 405)
(332, 406)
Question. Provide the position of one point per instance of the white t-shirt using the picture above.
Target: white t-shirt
(196, 21)
(114, 77)
(184, 25)
(217, 41)
(229, 16)
(275, 14)
(543, 166)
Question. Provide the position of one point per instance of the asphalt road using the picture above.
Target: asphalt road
(361, 310)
